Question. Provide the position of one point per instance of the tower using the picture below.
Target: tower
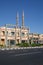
(17, 18)
(23, 19)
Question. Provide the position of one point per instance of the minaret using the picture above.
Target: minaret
(23, 19)
(17, 17)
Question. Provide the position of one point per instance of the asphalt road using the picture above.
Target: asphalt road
(22, 57)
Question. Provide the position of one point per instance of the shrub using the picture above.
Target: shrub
(23, 44)
(35, 44)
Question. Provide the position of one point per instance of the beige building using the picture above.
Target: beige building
(13, 34)
(36, 38)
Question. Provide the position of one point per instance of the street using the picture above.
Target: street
(22, 57)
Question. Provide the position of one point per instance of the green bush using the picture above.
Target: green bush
(18, 44)
(27, 44)
(23, 44)
(35, 44)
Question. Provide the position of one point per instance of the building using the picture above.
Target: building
(13, 34)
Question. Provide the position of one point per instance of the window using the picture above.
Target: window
(3, 32)
(22, 34)
(7, 32)
(12, 33)
(34, 38)
(23, 41)
(12, 42)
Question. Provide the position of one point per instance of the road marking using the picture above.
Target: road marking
(27, 53)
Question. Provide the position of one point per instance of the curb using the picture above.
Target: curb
(19, 48)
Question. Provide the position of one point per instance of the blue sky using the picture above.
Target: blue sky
(33, 11)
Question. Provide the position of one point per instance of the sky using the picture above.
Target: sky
(33, 13)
